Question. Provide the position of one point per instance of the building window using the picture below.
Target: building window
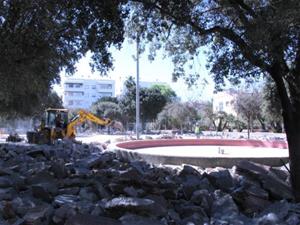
(106, 94)
(105, 86)
(70, 102)
(78, 93)
(73, 85)
(78, 85)
(93, 86)
(70, 85)
(221, 106)
(74, 93)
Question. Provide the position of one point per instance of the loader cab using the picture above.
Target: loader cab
(52, 115)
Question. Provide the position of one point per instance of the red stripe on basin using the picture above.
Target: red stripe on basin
(185, 142)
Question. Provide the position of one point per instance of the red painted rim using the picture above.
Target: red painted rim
(188, 142)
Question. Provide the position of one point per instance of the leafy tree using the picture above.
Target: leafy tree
(248, 105)
(245, 39)
(127, 101)
(152, 102)
(166, 91)
(40, 38)
(218, 120)
(52, 100)
(178, 115)
(107, 110)
(109, 99)
(163, 121)
(272, 110)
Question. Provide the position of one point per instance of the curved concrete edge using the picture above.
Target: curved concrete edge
(183, 142)
(205, 162)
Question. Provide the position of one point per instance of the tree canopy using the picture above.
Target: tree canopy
(41, 38)
(152, 100)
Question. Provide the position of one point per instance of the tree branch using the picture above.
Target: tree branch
(240, 13)
(229, 34)
(246, 7)
(297, 59)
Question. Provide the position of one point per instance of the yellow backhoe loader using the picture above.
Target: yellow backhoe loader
(56, 125)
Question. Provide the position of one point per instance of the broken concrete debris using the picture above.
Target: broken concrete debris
(79, 184)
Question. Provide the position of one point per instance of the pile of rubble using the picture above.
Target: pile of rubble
(77, 184)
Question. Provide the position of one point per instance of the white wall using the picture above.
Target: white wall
(82, 93)
(224, 101)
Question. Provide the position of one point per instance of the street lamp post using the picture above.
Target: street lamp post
(137, 114)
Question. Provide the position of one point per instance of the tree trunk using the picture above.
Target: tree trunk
(293, 138)
(290, 112)
(248, 127)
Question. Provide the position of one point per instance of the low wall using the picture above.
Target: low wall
(126, 151)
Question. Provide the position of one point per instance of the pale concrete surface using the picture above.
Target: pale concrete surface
(215, 151)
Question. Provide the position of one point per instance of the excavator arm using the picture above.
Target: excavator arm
(82, 117)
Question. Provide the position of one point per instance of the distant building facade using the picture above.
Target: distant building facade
(82, 93)
(224, 102)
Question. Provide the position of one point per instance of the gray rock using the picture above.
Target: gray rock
(269, 219)
(87, 194)
(174, 216)
(59, 169)
(97, 211)
(38, 215)
(7, 193)
(189, 170)
(61, 200)
(251, 199)
(36, 153)
(293, 220)
(187, 209)
(86, 186)
(97, 160)
(91, 220)
(203, 198)
(85, 207)
(120, 205)
(5, 171)
(131, 219)
(69, 191)
(22, 205)
(131, 191)
(280, 209)
(44, 191)
(223, 206)
(7, 211)
(100, 190)
(159, 208)
(5, 182)
(195, 218)
(221, 179)
(19, 221)
(270, 182)
(81, 171)
(62, 213)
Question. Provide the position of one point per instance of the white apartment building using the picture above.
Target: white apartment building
(82, 93)
(224, 101)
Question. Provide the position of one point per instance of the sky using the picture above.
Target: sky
(159, 70)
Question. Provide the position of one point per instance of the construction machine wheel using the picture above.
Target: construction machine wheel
(41, 137)
(32, 137)
(45, 137)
